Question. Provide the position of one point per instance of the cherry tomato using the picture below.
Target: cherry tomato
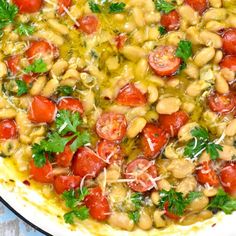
(170, 20)
(64, 183)
(88, 24)
(163, 60)
(97, 204)
(13, 64)
(42, 110)
(153, 139)
(43, 174)
(62, 4)
(28, 78)
(170, 214)
(86, 162)
(64, 158)
(120, 40)
(228, 178)
(8, 129)
(129, 95)
(172, 123)
(143, 174)
(222, 103)
(229, 62)
(110, 151)
(229, 41)
(71, 104)
(40, 49)
(111, 126)
(198, 5)
(28, 6)
(206, 174)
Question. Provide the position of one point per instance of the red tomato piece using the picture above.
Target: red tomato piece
(28, 78)
(64, 183)
(153, 139)
(88, 24)
(228, 178)
(28, 6)
(131, 96)
(163, 60)
(64, 158)
(222, 103)
(111, 126)
(206, 174)
(110, 151)
(170, 214)
(86, 162)
(170, 20)
(62, 4)
(143, 174)
(8, 129)
(42, 110)
(229, 62)
(198, 5)
(229, 41)
(120, 40)
(13, 64)
(43, 174)
(71, 104)
(172, 123)
(97, 204)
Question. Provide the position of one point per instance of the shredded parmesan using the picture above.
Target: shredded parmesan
(71, 17)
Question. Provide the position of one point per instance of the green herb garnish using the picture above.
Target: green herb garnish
(136, 199)
(38, 66)
(22, 87)
(117, 7)
(184, 50)
(65, 90)
(25, 29)
(163, 6)
(162, 30)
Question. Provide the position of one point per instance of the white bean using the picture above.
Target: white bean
(135, 127)
(168, 105)
(121, 220)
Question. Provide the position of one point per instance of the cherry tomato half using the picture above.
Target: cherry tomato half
(42, 110)
(229, 41)
(163, 60)
(120, 40)
(170, 20)
(229, 62)
(143, 174)
(64, 158)
(198, 5)
(64, 183)
(28, 6)
(28, 78)
(111, 126)
(170, 214)
(13, 64)
(153, 139)
(62, 4)
(86, 162)
(172, 123)
(206, 174)
(88, 24)
(8, 129)
(129, 95)
(98, 204)
(71, 104)
(228, 178)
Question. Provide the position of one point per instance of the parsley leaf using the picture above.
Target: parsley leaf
(25, 29)
(38, 66)
(162, 30)
(222, 201)
(65, 90)
(184, 50)
(117, 7)
(80, 140)
(94, 7)
(22, 87)
(134, 215)
(212, 150)
(81, 213)
(163, 6)
(136, 199)
(38, 155)
(193, 195)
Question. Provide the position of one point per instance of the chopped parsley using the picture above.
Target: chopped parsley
(134, 216)
(94, 7)
(22, 87)
(163, 6)
(65, 90)
(184, 50)
(38, 66)
(199, 143)
(117, 7)
(136, 199)
(25, 29)
(162, 30)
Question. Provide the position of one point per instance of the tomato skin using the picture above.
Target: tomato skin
(163, 60)
(42, 110)
(64, 183)
(229, 41)
(8, 129)
(28, 6)
(206, 174)
(153, 139)
(88, 24)
(229, 62)
(110, 152)
(13, 64)
(111, 126)
(228, 178)
(169, 214)
(86, 162)
(61, 3)
(120, 40)
(131, 96)
(43, 174)
(198, 5)
(70, 104)
(170, 20)
(98, 204)
(28, 78)
(173, 122)
(221, 103)
(142, 182)
(64, 158)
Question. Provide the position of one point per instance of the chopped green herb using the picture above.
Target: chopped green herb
(38, 66)
(134, 215)
(65, 90)
(163, 6)
(94, 7)
(25, 29)
(184, 50)
(136, 199)
(162, 30)
(22, 87)
(117, 7)
(81, 213)
(38, 155)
